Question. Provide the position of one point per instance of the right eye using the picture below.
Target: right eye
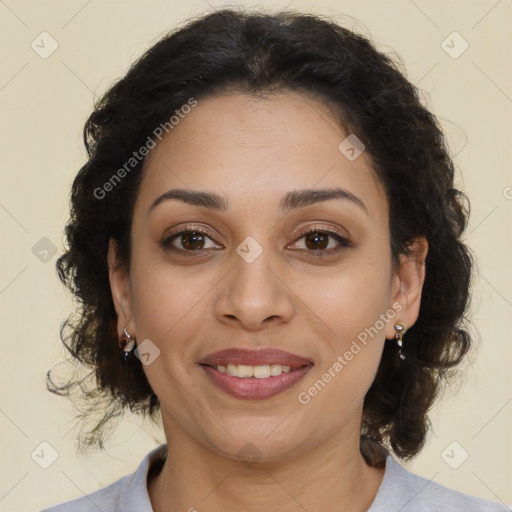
(189, 239)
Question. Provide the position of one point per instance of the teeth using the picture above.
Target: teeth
(260, 372)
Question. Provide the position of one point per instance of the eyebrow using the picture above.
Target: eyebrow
(291, 200)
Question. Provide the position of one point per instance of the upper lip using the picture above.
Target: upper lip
(254, 357)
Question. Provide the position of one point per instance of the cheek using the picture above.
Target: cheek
(352, 347)
(352, 297)
(167, 311)
(165, 300)
(354, 304)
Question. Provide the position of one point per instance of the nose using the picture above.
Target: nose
(255, 294)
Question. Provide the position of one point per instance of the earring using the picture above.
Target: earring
(126, 344)
(398, 337)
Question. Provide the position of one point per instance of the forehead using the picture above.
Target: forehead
(257, 149)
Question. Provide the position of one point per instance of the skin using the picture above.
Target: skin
(253, 151)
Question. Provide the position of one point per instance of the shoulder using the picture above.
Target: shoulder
(402, 490)
(106, 499)
(128, 494)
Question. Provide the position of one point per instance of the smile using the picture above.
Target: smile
(254, 382)
(260, 372)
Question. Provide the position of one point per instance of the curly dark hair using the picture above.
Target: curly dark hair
(260, 53)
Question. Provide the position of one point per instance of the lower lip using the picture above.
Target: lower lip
(252, 388)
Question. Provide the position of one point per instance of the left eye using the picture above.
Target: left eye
(316, 240)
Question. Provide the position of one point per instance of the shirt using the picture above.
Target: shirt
(400, 491)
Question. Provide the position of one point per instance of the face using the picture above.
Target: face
(245, 274)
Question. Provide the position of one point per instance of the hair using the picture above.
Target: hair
(260, 53)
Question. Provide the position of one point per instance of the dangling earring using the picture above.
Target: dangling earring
(126, 344)
(398, 337)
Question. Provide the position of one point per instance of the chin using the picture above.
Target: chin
(262, 445)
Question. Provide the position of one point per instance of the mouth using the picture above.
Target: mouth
(254, 358)
(254, 374)
(264, 371)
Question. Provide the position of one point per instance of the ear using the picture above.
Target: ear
(120, 288)
(407, 285)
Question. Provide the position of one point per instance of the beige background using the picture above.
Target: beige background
(44, 105)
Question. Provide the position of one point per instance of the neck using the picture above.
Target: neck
(331, 476)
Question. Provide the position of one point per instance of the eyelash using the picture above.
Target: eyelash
(344, 242)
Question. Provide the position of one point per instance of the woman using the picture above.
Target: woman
(267, 233)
